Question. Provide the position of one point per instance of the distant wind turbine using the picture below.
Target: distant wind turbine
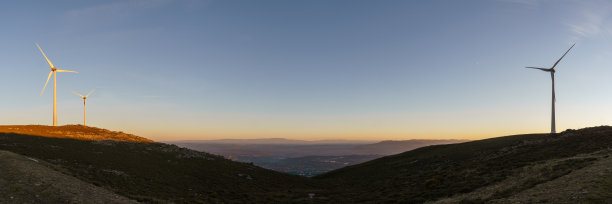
(552, 76)
(53, 71)
(84, 105)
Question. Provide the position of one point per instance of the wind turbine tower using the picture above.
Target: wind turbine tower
(53, 72)
(84, 105)
(552, 76)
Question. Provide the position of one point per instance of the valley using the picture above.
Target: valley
(305, 158)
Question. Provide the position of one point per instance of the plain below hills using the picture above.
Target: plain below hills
(280, 147)
(305, 158)
(271, 141)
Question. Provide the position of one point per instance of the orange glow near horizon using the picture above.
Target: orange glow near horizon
(471, 124)
(468, 124)
(362, 134)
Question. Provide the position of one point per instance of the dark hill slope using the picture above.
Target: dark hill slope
(156, 172)
(434, 172)
(389, 147)
(28, 180)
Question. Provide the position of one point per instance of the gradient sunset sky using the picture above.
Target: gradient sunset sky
(374, 70)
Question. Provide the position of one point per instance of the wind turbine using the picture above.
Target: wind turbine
(85, 105)
(552, 76)
(53, 71)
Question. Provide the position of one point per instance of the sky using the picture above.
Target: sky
(297, 69)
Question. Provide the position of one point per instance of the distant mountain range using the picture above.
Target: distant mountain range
(271, 141)
(282, 154)
(279, 147)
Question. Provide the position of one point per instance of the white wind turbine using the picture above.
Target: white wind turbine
(552, 76)
(84, 105)
(53, 71)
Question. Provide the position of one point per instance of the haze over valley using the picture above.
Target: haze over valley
(305, 158)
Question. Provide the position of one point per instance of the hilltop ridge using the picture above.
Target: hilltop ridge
(78, 132)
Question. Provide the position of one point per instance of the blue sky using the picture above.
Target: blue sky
(309, 69)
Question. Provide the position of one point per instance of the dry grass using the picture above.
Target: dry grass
(553, 181)
(78, 132)
(28, 180)
(159, 173)
(503, 167)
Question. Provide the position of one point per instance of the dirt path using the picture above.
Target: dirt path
(571, 188)
(28, 180)
(574, 187)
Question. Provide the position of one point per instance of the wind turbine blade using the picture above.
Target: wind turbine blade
(78, 94)
(562, 56)
(90, 93)
(66, 71)
(48, 61)
(543, 69)
(49, 77)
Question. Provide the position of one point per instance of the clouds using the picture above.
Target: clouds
(122, 11)
(583, 19)
(528, 2)
(121, 18)
(125, 15)
(130, 7)
(117, 9)
(590, 19)
(589, 25)
(524, 2)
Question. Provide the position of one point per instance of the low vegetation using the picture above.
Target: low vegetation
(28, 180)
(157, 172)
(78, 132)
(568, 167)
(436, 172)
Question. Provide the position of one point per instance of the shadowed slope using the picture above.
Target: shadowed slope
(157, 172)
(506, 169)
(28, 180)
(435, 172)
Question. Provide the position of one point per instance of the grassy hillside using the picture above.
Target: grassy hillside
(28, 180)
(436, 172)
(574, 166)
(389, 147)
(156, 172)
(78, 132)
